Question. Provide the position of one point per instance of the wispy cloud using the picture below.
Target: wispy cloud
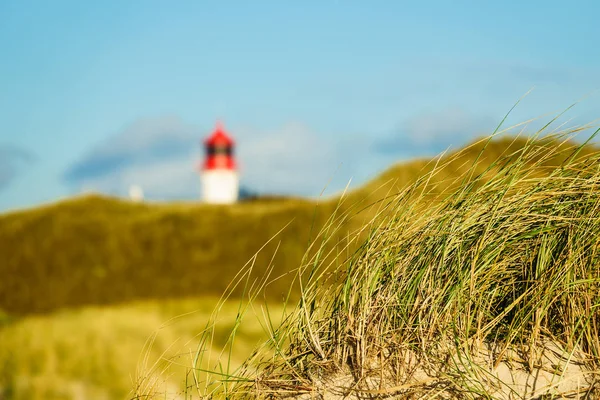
(157, 153)
(162, 154)
(432, 133)
(145, 141)
(295, 159)
(12, 160)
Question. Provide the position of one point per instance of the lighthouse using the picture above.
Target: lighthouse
(219, 175)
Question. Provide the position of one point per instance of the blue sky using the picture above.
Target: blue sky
(102, 95)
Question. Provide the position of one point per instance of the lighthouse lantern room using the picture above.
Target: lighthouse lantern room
(219, 175)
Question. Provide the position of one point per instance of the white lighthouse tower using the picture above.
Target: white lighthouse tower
(219, 175)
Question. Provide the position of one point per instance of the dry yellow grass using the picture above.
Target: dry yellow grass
(490, 291)
(99, 352)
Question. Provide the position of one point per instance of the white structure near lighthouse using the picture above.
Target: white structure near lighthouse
(219, 175)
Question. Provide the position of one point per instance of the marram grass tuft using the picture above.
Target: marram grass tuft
(483, 286)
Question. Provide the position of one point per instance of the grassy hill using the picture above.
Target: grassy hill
(99, 250)
(489, 292)
(105, 251)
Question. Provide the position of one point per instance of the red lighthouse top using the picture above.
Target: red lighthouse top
(219, 137)
(219, 150)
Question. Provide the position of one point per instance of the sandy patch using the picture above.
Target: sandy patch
(549, 372)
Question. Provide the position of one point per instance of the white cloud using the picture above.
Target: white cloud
(450, 125)
(292, 159)
(162, 155)
(161, 179)
(433, 132)
(12, 159)
(158, 154)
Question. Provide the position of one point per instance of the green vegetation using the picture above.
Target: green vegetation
(491, 291)
(429, 257)
(95, 250)
(97, 352)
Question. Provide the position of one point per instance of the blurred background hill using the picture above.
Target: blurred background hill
(95, 250)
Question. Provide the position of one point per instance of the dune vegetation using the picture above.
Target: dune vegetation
(95, 250)
(408, 285)
(488, 290)
(97, 352)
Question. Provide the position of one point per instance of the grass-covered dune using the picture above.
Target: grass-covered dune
(98, 352)
(490, 292)
(99, 250)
